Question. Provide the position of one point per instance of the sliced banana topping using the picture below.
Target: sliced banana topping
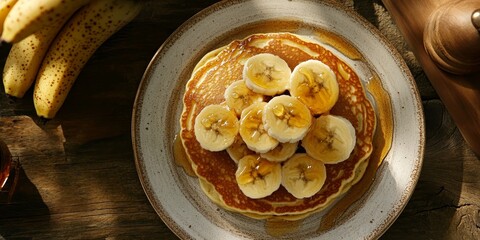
(303, 176)
(267, 74)
(330, 140)
(286, 118)
(281, 152)
(258, 177)
(238, 96)
(252, 129)
(314, 84)
(261, 136)
(238, 149)
(216, 127)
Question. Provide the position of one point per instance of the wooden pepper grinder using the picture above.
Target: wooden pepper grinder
(444, 38)
(452, 36)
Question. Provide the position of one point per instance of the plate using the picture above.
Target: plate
(177, 197)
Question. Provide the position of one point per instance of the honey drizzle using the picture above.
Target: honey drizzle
(338, 43)
(180, 156)
(277, 227)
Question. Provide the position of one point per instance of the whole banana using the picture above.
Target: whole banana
(24, 60)
(28, 17)
(5, 7)
(74, 45)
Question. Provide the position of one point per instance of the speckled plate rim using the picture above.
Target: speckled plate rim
(409, 106)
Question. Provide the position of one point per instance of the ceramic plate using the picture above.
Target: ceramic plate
(177, 197)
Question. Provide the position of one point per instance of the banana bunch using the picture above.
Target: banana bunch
(51, 42)
(5, 7)
(263, 136)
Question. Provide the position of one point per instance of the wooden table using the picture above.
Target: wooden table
(78, 177)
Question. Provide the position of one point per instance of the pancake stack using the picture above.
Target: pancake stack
(218, 169)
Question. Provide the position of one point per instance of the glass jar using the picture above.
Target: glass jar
(9, 172)
(5, 163)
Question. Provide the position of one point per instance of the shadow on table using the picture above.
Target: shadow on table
(26, 201)
(431, 209)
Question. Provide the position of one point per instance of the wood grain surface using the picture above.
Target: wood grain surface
(78, 177)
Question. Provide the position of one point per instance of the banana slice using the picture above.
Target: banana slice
(258, 177)
(314, 84)
(252, 130)
(216, 127)
(303, 176)
(267, 74)
(238, 96)
(281, 153)
(286, 118)
(238, 150)
(330, 140)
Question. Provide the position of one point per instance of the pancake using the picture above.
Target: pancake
(216, 171)
(209, 190)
